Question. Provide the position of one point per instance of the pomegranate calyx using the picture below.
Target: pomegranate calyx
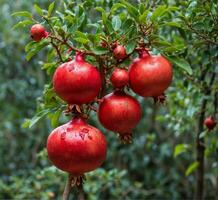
(143, 53)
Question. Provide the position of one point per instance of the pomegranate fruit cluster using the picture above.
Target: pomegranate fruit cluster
(77, 147)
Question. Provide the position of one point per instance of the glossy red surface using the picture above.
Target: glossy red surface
(77, 81)
(38, 32)
(76, 147)
(119, 78)
(150, 76)
(119, 112)
(210, 122)
(119, 52)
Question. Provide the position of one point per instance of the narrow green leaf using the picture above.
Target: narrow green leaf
(38, 9)
(100, 50)
(131, 10)
(34, 51)
(22, 14)
(130, 46)
(191, 168)
(29, 46)
(159, 11)
(142, 18)
(81, 40)
(22, 24)
(55, 118)
(115, 7)
(182, 63)
(179, 149)
(174, 24)
(37, 117)
(116, 23)
(51, 8)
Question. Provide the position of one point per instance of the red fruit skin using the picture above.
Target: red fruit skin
(119, 52)
(76, 147)
(119, 78)
(150, 76)
(210, 122)
(119, 112)
(38, 32)
(77, 81)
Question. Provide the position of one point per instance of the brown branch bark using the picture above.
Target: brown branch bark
(67, 189)
(200, 146)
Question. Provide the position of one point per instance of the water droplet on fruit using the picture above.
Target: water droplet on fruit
(71, 69)
(63, 135)
(85, 130)
(82, 135)
(90, 137)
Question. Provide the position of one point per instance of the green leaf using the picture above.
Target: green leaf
(115, 7)
(51, 8)
(81, 40)
(100, 50)
(34, 51)
(182, 63)
(22, 14)
(179, 149)
(142, 18)
(116, 23)
(159, 11)
(26, 123)
(31, 122)
(29, 45)
(55, 118)
(130, 46)
(131, 10)
(174, 24)
(22, 24)
(191, 168)
(38, 9)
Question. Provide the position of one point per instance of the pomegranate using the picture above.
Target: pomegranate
(210, 122)
(119, 78)
(77, 81)
(120, 113)
(38, 32)
(150, 75)
(119, 52)
(76, 147)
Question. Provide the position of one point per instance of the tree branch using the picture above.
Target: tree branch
(200, 146)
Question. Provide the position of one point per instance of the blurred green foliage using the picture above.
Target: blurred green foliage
(161, 161)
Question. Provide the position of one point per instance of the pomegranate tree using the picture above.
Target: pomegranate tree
(102, 57)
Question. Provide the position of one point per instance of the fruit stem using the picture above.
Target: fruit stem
(79, 56)
(67, 188)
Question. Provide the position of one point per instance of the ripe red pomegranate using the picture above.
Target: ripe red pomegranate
(150, 75)
(77, 81)
(119, 78)
(119, 52)
(76, 147)
(38, 32)
(120, 113)
(210, 122)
